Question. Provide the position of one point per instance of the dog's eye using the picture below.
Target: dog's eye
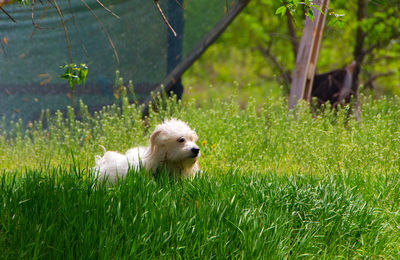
(181, 140)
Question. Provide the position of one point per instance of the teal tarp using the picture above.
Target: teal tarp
(30, 58)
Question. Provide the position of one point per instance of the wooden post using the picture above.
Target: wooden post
(307, 55)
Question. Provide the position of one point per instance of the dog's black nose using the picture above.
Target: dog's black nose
(195, 150)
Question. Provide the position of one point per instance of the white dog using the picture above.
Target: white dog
(172, 147)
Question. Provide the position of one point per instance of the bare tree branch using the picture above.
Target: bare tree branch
(164, 18)
(369, 50)
(266, 52)
(358, 52)
(104, 30)
(76, 28)
(180, 5)
(292, 34)
(107, 9)
(369, 82)
(65, 30)
(9, 16)
(3, 49)
(37, 25)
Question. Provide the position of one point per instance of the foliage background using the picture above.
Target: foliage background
(239, 55)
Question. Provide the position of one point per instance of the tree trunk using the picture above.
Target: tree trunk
(359, 52)
(292, 34)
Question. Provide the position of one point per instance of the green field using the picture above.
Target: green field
(323, 185)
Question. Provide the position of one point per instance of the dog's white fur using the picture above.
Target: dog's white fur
(171, 147)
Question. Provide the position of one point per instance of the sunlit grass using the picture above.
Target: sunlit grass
(256, 137)
(272, 186)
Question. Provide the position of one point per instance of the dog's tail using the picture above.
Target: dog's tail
(104, 149)
(98, 158)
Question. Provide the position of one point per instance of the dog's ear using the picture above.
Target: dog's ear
(195, 137)
(153, 140)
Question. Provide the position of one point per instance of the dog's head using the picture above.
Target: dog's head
(174, 141)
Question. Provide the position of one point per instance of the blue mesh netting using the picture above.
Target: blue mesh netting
(30, 58)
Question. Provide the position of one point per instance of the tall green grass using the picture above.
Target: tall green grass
(56, 214)
(272, 187)
(255, 137)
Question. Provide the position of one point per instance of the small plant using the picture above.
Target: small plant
(292, 5)
(75, 75)
(120, 89)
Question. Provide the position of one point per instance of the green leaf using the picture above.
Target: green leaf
(310, 14)
(319, 9)
(74, 74)
(281, 10)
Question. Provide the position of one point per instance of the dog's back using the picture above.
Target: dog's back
(111, 165)
(114, 164)
(136, 157)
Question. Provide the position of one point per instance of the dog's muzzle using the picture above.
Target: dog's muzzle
(195, 151)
